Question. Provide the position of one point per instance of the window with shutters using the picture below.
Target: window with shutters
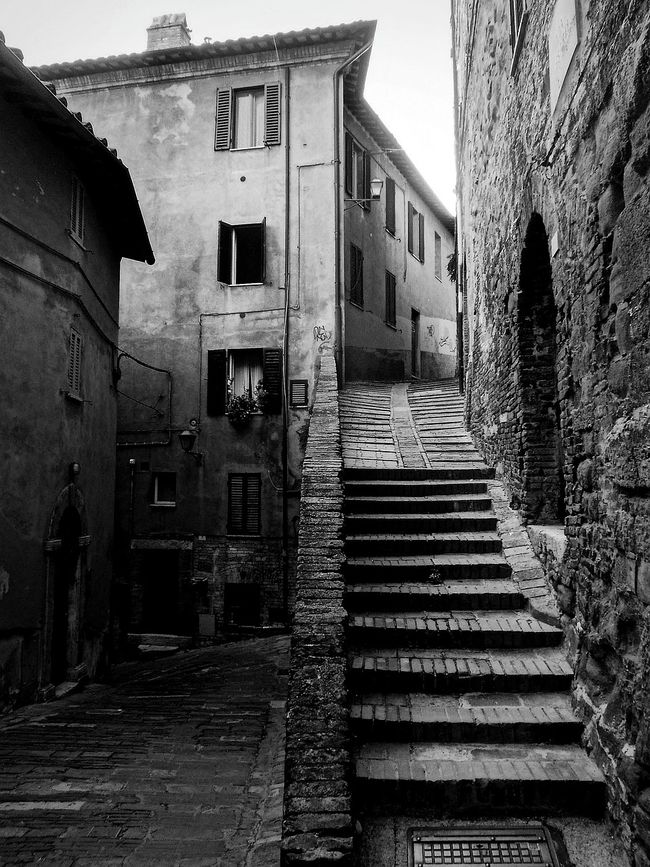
(415, 231)
(518, 20)
(74, 364)
(77, 211)
(248, 117)
(391, 312)
(437, 243)
(390, 205)
(356, 275)
(239, 371)
(164, 489)
(244, 504)
(357, 172)
(241, 255)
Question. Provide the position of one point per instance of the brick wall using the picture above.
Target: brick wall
(317, 828)
(581, 170)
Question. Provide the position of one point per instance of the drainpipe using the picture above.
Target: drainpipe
(338, 315)
(285, 371)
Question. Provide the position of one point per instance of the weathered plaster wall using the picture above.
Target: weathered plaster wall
(583, 167)
(44, 295)
(373, 349)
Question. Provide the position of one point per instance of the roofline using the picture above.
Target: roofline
(360, 31)
(53, 111)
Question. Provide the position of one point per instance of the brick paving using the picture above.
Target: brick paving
(178, 761)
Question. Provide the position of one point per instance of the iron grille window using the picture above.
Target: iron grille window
(391, 312)
(356, 275)
(77, 207)
(437, 242)
(244, 503)
(74, 364)
(248, 118)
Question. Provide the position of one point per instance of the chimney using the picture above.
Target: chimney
(168, 31)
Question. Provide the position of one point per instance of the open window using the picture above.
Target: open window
(239, 371)
(357, 172)
(163, 489)
(241, 256)
(415, 232)
(356, 275)
(247, 117)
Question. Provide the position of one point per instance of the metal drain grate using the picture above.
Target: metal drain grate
(487, 847)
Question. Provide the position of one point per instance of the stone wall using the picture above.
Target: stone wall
(317, 828)
(565, 418)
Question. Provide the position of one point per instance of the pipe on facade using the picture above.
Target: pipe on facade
(285, 369)
(338, 313)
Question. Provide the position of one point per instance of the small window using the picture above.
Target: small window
(77, 211)
(391, 313)
(299, 392)
(390, 205)
(241, 253)
(246, 372)
(164, 489)
(356, 275)
(357, 172)
(244, 503)
(247, 118)
(415, 232)
(518, 20)
(437, 243)
(74, 364)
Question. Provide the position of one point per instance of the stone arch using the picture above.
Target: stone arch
(541, 458)
(66, 563)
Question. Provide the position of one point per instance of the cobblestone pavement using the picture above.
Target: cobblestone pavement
(179, 761)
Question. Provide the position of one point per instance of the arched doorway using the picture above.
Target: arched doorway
(542, 475)
(66, 562)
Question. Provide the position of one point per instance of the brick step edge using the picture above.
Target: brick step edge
(440, 597)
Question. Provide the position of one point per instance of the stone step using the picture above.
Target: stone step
(471, 470)
(440, 522)
(448, 671)
(413, 568)
(412, 488)
(452, 595)
(435, 504)
(507, 629)
(539, 718)
(472, 779)
(411, 544)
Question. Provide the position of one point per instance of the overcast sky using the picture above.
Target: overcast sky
(409, 81)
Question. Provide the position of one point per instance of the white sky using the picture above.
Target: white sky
(409, 81)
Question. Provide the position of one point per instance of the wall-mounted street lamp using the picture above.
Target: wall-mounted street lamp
(187, 438)
(376, 186)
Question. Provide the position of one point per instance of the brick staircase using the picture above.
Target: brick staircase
(460, 696)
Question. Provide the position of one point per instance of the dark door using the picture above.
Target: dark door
(65, 574)
(160, 612)
(415, 343)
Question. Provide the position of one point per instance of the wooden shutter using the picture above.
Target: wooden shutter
(356, 275)
(366, 181)
(349, 156)
(224, 253)
(409, 230)
(390, 205)
(216, 390)
(421, 233)
(390, 299)
(272, 365)
(253, 502)
(437, 241)
(77, 210)
(244, 503)
(263, 250)
(236, 495)
(223, 124)
(272, 113)
(74, 364)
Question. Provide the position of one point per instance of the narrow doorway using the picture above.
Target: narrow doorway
(160, 591)
(65, 581)
(415, 343)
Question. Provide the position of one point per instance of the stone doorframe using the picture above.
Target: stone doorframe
(70, 497)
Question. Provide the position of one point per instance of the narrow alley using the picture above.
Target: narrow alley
(179, 761)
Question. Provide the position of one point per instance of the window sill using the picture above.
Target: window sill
(243, 535)
(417, 259)
(250, 148)
(78, 241)
(162, 505)
(356, 304)
(439, 279)
(74, 398)
(392, 234)
(239, 285)
(390, 325)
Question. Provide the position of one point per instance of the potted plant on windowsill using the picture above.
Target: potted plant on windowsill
(239, 409)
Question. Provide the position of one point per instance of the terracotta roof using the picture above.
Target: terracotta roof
(96, 160)
(369, 119)
(358, 31)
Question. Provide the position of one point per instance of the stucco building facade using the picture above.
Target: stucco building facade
(552, 116)
(68, 215)
(248, 157)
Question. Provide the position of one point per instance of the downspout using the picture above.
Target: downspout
(285, 368)
(338, 314)
(460, 271)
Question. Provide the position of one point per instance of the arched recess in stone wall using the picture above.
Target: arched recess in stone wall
(541, 459)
